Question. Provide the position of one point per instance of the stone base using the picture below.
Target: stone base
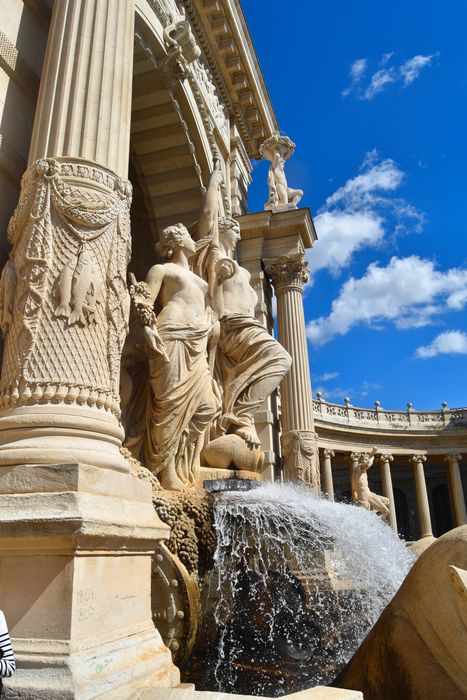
(75, 575)
(206, 473)
(277, 208)
(319, 692)
(52, 434)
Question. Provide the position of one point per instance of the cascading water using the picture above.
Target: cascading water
(298, 582)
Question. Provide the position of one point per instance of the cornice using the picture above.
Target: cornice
(223, 35)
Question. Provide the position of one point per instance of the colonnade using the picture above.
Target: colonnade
(417, 462)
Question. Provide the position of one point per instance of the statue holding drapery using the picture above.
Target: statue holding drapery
(180, 401)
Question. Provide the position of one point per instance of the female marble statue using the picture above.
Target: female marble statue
(182, 402)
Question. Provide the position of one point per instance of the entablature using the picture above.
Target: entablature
(223, 35)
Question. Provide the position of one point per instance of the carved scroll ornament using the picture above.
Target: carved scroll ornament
(63, 297)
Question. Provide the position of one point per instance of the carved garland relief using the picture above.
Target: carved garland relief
(66, 282)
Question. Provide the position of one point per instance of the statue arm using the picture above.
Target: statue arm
(209, 208)
(144, 295)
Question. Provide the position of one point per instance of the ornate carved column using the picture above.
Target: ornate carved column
(299, 449)
(327, 485)
(386, 485)
(63, 291)
(424, 517)
(457, 492)
(77, 531)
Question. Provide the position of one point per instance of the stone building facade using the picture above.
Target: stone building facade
(112, 113)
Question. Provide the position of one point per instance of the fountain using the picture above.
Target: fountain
(297, 582)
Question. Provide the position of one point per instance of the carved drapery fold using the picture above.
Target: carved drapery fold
(298, 455)
(63, 296)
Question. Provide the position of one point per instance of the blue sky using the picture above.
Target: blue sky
(375, 97)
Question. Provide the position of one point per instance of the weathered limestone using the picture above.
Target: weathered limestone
(249, 362)
(182, 402)
(319, 692)
(361, 494)
(74, 549)
(64, 292)
(327, 485)
(76, 529)
(457, 493)
(278, 149)
(417, 647)
(386, 484)
(299, 450)
(424, 517)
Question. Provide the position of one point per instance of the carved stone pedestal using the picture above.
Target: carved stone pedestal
(75, 576)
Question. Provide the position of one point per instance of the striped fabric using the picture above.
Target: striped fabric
(7, 658)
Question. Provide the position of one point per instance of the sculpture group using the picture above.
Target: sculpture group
(197, 364)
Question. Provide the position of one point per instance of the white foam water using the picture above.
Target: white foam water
(298, 582)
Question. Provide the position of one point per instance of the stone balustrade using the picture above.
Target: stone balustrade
(446, 418)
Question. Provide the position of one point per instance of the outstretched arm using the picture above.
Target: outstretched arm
(209, 208)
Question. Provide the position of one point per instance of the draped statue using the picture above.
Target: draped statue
(250, 363)
(180, 403)
(197, 363)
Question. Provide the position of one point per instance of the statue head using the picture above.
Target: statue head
(172, 237)
(229, 232)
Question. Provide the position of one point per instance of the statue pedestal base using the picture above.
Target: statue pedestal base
(277, 208)
(75, 576)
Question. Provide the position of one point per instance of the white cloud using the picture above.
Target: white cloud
(409, 292)
(338, 393)
(412, 68)
(384, 175)
(378, 82)
(340, 234)
(386, 57)
(404, 73)
(447, 343)
(326, 377)
(357, 71)
(360, 213)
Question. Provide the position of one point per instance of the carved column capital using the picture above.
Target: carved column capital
(452, 457)
(298, 455)
(414, 459)
(329, 453)
(386, 458)
(287, 272)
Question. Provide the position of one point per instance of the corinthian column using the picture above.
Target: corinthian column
(76, 529)
(63, 291)
(422, 495)
(386, 487)
(457, 493)
(299, 449)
